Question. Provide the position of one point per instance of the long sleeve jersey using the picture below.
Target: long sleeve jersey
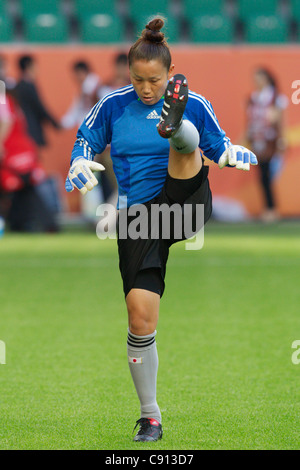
(139, 154)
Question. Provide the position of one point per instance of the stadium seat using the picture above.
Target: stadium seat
(211, 29)
(171, 28)
(6, 29)
(95, 6)
(139, 9)
(193, 8)
(33, 7)
(295, 10)
(101, 28)
(2, 7)
(46, 27)
(266, 29)
(247, 8)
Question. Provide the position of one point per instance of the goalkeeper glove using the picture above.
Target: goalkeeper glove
(237, 156)
(80, 175)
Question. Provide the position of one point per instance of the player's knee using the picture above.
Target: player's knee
(140, 320)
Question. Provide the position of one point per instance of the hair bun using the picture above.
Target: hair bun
(153, 32)
(151, 45)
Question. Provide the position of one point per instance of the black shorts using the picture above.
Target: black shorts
(143, 256)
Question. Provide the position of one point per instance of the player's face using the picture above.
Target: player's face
(149, 79)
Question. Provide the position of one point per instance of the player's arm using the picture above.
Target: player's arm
(92, 138)
(217, 146)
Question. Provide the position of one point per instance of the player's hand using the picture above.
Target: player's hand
(237, 156)
(80, 175)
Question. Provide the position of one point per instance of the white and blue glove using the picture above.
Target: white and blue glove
(237, 156)
(80, 175)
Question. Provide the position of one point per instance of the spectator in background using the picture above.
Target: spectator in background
(29, 99)
(264, 133)
(21, 174)
(120, 76)
(88, 84)
(9, 81)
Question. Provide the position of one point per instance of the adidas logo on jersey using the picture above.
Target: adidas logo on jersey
(153, 115)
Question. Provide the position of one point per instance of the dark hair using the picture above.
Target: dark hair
(121, 59)
(269, 76)
(25, 62)
(151, 45)
(81, 65)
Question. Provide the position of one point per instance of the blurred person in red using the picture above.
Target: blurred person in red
(265, 134)
(20, 171)
(29, 99)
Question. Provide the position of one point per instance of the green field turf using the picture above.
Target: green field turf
(227, 322)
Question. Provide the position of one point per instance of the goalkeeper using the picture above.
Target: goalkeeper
(156, 128)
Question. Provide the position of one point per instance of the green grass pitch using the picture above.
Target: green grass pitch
(228, 319)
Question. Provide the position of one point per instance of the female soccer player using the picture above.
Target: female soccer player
(154, 127)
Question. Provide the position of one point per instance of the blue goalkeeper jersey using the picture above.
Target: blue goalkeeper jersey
(139, 154)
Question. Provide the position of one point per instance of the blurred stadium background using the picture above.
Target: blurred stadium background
(216, 43)
(111, 21)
